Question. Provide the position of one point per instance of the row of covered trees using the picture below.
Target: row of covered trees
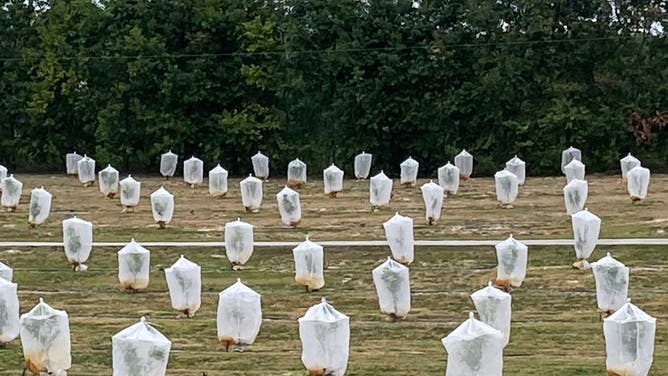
(323, 80)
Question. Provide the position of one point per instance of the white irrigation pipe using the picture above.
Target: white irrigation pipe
(363, 243)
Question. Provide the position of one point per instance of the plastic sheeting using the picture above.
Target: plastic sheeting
(393, 288)
(332, 178)
(184, 280)
(218, 181)
(432, 195)
(140, 350)
(239, 315)
(575, 195)
(134, 266)
(612, 283)
(399, 235)
(78, 241)
(325, 337)
(380, 190)
(45, 338)
(464, 162)
(629, 341)
(474, 349)
(309, 265)
(363, 165)
(448, 178)
(238, 242)
(251, 193)
(260, 166)
(168, 163)
(162, 206)
(40, 206)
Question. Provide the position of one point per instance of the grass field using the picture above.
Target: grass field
(556, 328)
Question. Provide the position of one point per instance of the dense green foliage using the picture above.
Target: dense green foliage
(323, 80)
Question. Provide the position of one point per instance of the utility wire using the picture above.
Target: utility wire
(326, 51)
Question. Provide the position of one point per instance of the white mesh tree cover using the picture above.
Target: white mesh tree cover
(71, 163)
(78, 242)
(40, 206)
(238, 242)
(325, 337)
(108, 180)
(393, 288)
(432, 195)
(494, 309)
(296, 173)
(162, 207)
(130, 192)
(586, 228)
(251, 194)
(218, 181)
(464, 162)
(6, 272)
(193, 171)
(260, 166)
(184, 280)
(168, 163)
(380, 190)
(612, 283)
(474, 349)
(512, 259)
(86, 169)
(9, 311)
(289, 207)
(140, 350)
(637, 183)
(399, 235)
(518, 168)
(448, 178)
(409, 172)
(507, 187)
(575, 195)
(45, 338)
(11, 193)
(627, 164)
(629, 341)
(309, 265)
(239, 316)
(574, 170)
(332, 178)
(362, 165)
(3, 174)
(568, 155)
(134, 266)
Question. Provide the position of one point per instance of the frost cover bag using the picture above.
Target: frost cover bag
(260, 165)
(627, 164)
(3, 174)
(45, 338)
(409, 171)
(494, 309)
(71, 163)
(612, 283)
(238, 242)
(569, 155)
(399, 235)
(362, 165)
(332, 178)
(464, 162)
(289, 207)
(108, 181)
(296, 173)
(6, 272)
(629, 341)
(130, 192)
(168, 163)
(309, 265)
(184, 280)
(432, 195)
(9, 311)
(574, 170)
(140, 350)
(586, 228)
(162, 206)
(393, 288)
(11, 192)
(518, 168)
(78, 241)
(40, 206)
(512, 258)
(380, 190)
(507, 187)
(218, 181)
(474, 349)
(251, 193)
(86, 168)
(575, 195)
(637, 183)
(193, 171)
(448, 178)
(134, 264)
(239, 315)
(325, 337)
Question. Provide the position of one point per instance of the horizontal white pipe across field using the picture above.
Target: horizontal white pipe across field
(367, 243)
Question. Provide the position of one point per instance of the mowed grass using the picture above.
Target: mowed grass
(556, 328)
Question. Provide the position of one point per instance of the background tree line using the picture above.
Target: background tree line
(323, 80)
